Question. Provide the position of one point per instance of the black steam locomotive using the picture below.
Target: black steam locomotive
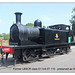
(30, 43)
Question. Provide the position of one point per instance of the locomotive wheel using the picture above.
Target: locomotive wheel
(69, 49)
(62, 52)
(30, 55)
(50, 53)
(65, 50)
(40, 53)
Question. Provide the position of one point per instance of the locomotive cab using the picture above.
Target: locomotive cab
(60, 27)
(65, 28)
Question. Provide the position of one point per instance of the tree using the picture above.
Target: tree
(72, 21)
(0, 35)
(30, 24)
(4, 36)
(7, 37)
(44, 26)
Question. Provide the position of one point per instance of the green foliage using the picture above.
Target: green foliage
(73, 10)
(30, 24)
(4, 36)
(44, 26)
(72, 21)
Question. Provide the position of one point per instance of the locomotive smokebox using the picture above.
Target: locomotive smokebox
(18, 17)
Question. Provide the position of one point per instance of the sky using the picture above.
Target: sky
(48, 13)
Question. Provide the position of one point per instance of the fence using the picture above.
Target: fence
(5, 42)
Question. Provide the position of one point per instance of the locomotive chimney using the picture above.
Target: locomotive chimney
(18, 17)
